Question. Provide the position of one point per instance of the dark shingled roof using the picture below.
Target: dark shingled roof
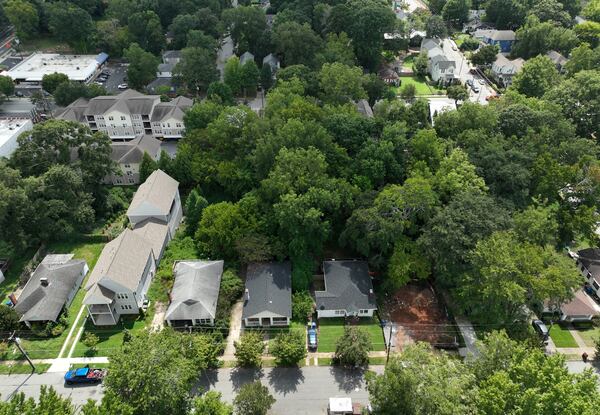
(44, 303)
(348, 287)
(590, 258)
(269, 287)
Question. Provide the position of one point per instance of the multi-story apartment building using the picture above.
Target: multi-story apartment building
(130, 114)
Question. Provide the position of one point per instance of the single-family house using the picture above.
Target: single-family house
(171, 56)
(165, 70)
(558, 60)
(121, 278)
(588, 263)
(504, 69)
(195, 293)
(579, 309)
(50, 289)
(246, 57)
(348, 290)
(157, 198)
(128, 157)
(415, 37)
(272, 61)
(268, 295)
(504, 39)
(441, 67)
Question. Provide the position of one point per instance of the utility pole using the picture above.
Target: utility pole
(17, 341)
(389, 345)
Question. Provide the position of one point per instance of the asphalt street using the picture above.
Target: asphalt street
(299, 391)
(30, 385)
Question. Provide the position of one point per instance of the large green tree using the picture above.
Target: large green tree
(253, 398)
(197, 69)
(297, 43)
(70, 23)
(537, 77)
(142, 66)
(247, 26)
(146, 31)
(23, 16)
(340, 83)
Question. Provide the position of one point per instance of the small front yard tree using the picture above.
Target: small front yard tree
(289, 348)
(408, 92)
(9, 319)
(353, 347)
(485, 56)
(211, 404)
(253, 399)
(458, 93)
(420, 65)
(90, 340)
(302, 306)
(249, 348)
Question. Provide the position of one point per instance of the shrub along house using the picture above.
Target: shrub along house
(348, 290)
(268, 295)
(50, 289)
(195, 293)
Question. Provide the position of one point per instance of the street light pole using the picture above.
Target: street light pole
(389, 345)
(17, 341)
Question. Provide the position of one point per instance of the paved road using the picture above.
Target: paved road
(462, 72)
(30, 385)
(299, 391)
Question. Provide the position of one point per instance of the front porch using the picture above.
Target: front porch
(102, 315)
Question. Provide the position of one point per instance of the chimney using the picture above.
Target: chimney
(371, 291)
(44, 281)
(247, 294)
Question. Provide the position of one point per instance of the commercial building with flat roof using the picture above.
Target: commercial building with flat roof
(10, 129)
(80, 68)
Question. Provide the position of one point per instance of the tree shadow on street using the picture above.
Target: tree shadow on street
(242, 375)
(348, 379)
(286, 379)
(207, 380)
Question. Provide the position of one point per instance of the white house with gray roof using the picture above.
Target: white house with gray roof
(121, 278)
(195, 293)
(268, 295)
(441, 68)
(348, 290)
(129, 114)
(157, 198)
(504, 69)
(50, 289)
(128, 157)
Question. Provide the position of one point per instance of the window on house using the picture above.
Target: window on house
(111, 118)
(178, 125)
(363, 311)
(339, 312)
(131, 180)
(123, 118)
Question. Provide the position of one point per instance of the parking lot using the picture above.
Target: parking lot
(117, 75)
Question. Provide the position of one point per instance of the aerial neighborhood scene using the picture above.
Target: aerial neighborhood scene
(300, 207)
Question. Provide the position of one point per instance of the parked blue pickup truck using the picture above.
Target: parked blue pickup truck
(84, 375)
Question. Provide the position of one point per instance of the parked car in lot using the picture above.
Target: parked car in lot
(541, 329)
(122, 86)
(84, 375)
(469, 82)
(312, 337)
(475, 88)
(482, 81)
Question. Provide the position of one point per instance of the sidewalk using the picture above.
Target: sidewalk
(234, 330)
(468, 333)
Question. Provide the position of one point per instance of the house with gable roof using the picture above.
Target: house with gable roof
(348, 290)
(128, 157)
(268, 295)
(195, 293)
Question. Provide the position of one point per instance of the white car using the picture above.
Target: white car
(122, 86)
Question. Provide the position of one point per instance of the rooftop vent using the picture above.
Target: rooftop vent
(44, 281)
(247, 294)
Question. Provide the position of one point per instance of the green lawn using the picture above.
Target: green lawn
(87, 248)
(420, 84)
(561, 337)
(459, 38)
(588, 334)
(407, 63)
(377, 360)
(43, 43)
(111, 337)
(330, 329)
(324, 361)
(23, 368)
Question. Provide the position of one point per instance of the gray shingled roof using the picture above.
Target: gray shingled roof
(348, 287)
(195, 290)
(269, 288)
(155, 232)
(122, 260)
(246, 57)
(132, 151)
(590, 258)
(44, 303)
(158, 190)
